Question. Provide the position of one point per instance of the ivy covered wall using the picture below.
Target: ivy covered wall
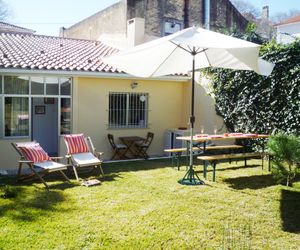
(249, 102)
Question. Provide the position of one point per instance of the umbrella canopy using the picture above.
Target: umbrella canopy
(168, 55)
(189, 50)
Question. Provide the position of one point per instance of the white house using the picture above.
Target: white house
(288, 30)
(51, 86)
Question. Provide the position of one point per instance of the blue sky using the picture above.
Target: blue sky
(47, 16)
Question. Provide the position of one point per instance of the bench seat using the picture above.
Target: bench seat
(213, 159)
(179, 151)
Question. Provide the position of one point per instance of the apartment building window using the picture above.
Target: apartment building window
(128, 110)
(171, 26)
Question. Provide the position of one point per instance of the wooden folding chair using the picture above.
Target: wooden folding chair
(38, 162)
(143, 146)
(119, 149)
(82, 153)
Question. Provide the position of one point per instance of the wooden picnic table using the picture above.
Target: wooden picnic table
(129, 141)
(204, 138)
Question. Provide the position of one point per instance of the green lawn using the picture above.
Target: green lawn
(140, 205)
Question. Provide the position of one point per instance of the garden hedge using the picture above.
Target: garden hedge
(249, 102)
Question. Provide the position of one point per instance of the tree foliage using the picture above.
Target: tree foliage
(285, 152)
(281, 16)
(4, 11)
(245, 7)
(249, 102)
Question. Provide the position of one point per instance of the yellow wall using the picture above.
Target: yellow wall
(90, 110)
(169, 105)
(9, 156)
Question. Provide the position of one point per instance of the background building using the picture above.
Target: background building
(154, 18)
(288, 30)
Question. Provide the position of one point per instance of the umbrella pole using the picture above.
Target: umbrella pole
(191, 178)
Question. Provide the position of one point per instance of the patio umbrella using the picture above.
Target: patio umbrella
(186, 51)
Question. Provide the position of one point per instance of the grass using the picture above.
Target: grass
(140, 205)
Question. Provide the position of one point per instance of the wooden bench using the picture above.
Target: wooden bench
(178, 151)
(213, 160)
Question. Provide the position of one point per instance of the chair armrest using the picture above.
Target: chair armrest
(68, 157)
(23, 161)
(56, 158)
(98, 154)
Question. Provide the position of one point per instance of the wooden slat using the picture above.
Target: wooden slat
(177, 150)
(230, 156)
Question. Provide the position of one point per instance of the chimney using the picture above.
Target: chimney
(62, 31)
(135, 31)
(265, 13)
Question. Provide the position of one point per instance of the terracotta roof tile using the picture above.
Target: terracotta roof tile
(20, 50)
(294, 19)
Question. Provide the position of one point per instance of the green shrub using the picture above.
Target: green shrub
(285, 152)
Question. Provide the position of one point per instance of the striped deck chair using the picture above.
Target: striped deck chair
(82, 153)
(38, 161)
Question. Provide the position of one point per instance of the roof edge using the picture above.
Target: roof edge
(90, 74)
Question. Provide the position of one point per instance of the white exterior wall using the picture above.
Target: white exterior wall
(286, 33)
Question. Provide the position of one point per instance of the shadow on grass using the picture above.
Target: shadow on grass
(290, 211)
(54, 180)
(252, 182)
(29, 206)
(209, 169)
(128, 166)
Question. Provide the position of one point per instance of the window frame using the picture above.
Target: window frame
(128, 111)
(173, 21)
(59, 97)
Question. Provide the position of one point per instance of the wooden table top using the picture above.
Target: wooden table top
(131, 138)
(205, 137)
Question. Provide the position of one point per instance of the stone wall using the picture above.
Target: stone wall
(111, 20)
(222, 14)
(225, 15)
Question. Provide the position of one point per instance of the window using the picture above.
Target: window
(171, 26)
(16, 85)
(128, 110)
(16, 116)
(51, 85)
(65, 116)
(37, 85)
(16, 100)
(65, 86)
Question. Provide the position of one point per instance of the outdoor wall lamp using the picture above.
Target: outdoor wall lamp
(134, 85)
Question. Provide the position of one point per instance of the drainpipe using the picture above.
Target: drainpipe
(207, 14)
(186, 13)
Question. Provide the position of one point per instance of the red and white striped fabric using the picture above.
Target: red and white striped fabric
(76, 143)
(34, 153)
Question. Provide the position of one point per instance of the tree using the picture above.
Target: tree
(281, 16)
(246, 9)
(285, 152)
(4, 11)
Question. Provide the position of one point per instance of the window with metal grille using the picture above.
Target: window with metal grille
(128, 110)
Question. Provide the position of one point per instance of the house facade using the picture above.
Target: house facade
(51, 86)
(161, 17)
(288, 30)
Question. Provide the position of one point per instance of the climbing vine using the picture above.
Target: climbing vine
(249, 102)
